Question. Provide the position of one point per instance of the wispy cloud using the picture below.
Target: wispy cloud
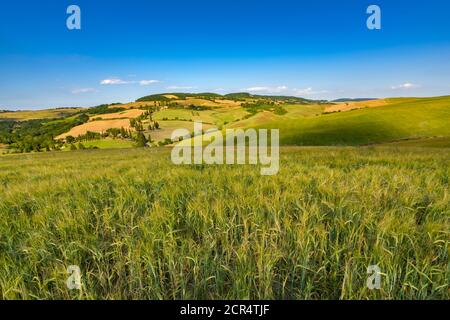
(180, 87)
(114, 81)
(83, 90)
(308, 91)
(285, 90)
(407, 85)
(148, 82)
(117, 81)
(278, 89)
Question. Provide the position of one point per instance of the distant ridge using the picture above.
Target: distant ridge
(353, 99)
(231, 96)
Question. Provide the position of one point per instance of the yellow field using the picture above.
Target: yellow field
(38, 114)
(167, 127)
(96, 126)
(296, 111)
(257, 119)
(140, 227)
(347, 106)
(128, 114)
(133, 105)
(228, 103)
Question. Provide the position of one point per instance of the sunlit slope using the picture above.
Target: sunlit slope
(402, 119)
(435, 142)
(130, 218)
(24, 115)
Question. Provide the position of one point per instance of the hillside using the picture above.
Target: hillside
(24, 115)
(353, 99)
(142, 228)
(240, 96)
(301, 121)
(399, 119)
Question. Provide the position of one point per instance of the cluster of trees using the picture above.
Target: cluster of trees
(175, 105)
(88, 136)
(279, 110)
(105, 108)
(37, 135)
(260, 105)
(156, 107)
(118, 133)
(6, 127)
(180, 96)
(35, 144)
(80, 147)
(165, 142)
(111, 132)
(154, 97)
(198, 108)
(137, 123)
(141, 140)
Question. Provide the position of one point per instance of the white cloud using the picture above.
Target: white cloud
(179, 87)
(308, 91)
(117, 81)
(285, 90)
(407, 85)
(83, 90)
(267, 89)
(113, 82)
(148, 82)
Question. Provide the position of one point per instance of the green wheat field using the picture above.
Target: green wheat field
(140, 227)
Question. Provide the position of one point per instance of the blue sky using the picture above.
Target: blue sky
(127, 49)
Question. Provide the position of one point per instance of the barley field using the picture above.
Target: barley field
(140, 227)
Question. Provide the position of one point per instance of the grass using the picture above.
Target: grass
(404, 119)
(434, 142)
(371, 122)
(140, 227)
(172, 114)
(168, 127)
(218, 116)
(299, 111)
(108, 144)
(38, 114)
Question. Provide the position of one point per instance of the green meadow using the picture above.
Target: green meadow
(24, 115)
(108, 144)
(360, 183)
(140, 227)
(401, 119)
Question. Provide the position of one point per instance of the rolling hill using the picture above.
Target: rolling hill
(301, 122)
(24, 115)
(399, 119)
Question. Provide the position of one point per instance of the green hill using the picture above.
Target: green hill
(353, 99)
(153, 97)
(240, 96)
(403, 119)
